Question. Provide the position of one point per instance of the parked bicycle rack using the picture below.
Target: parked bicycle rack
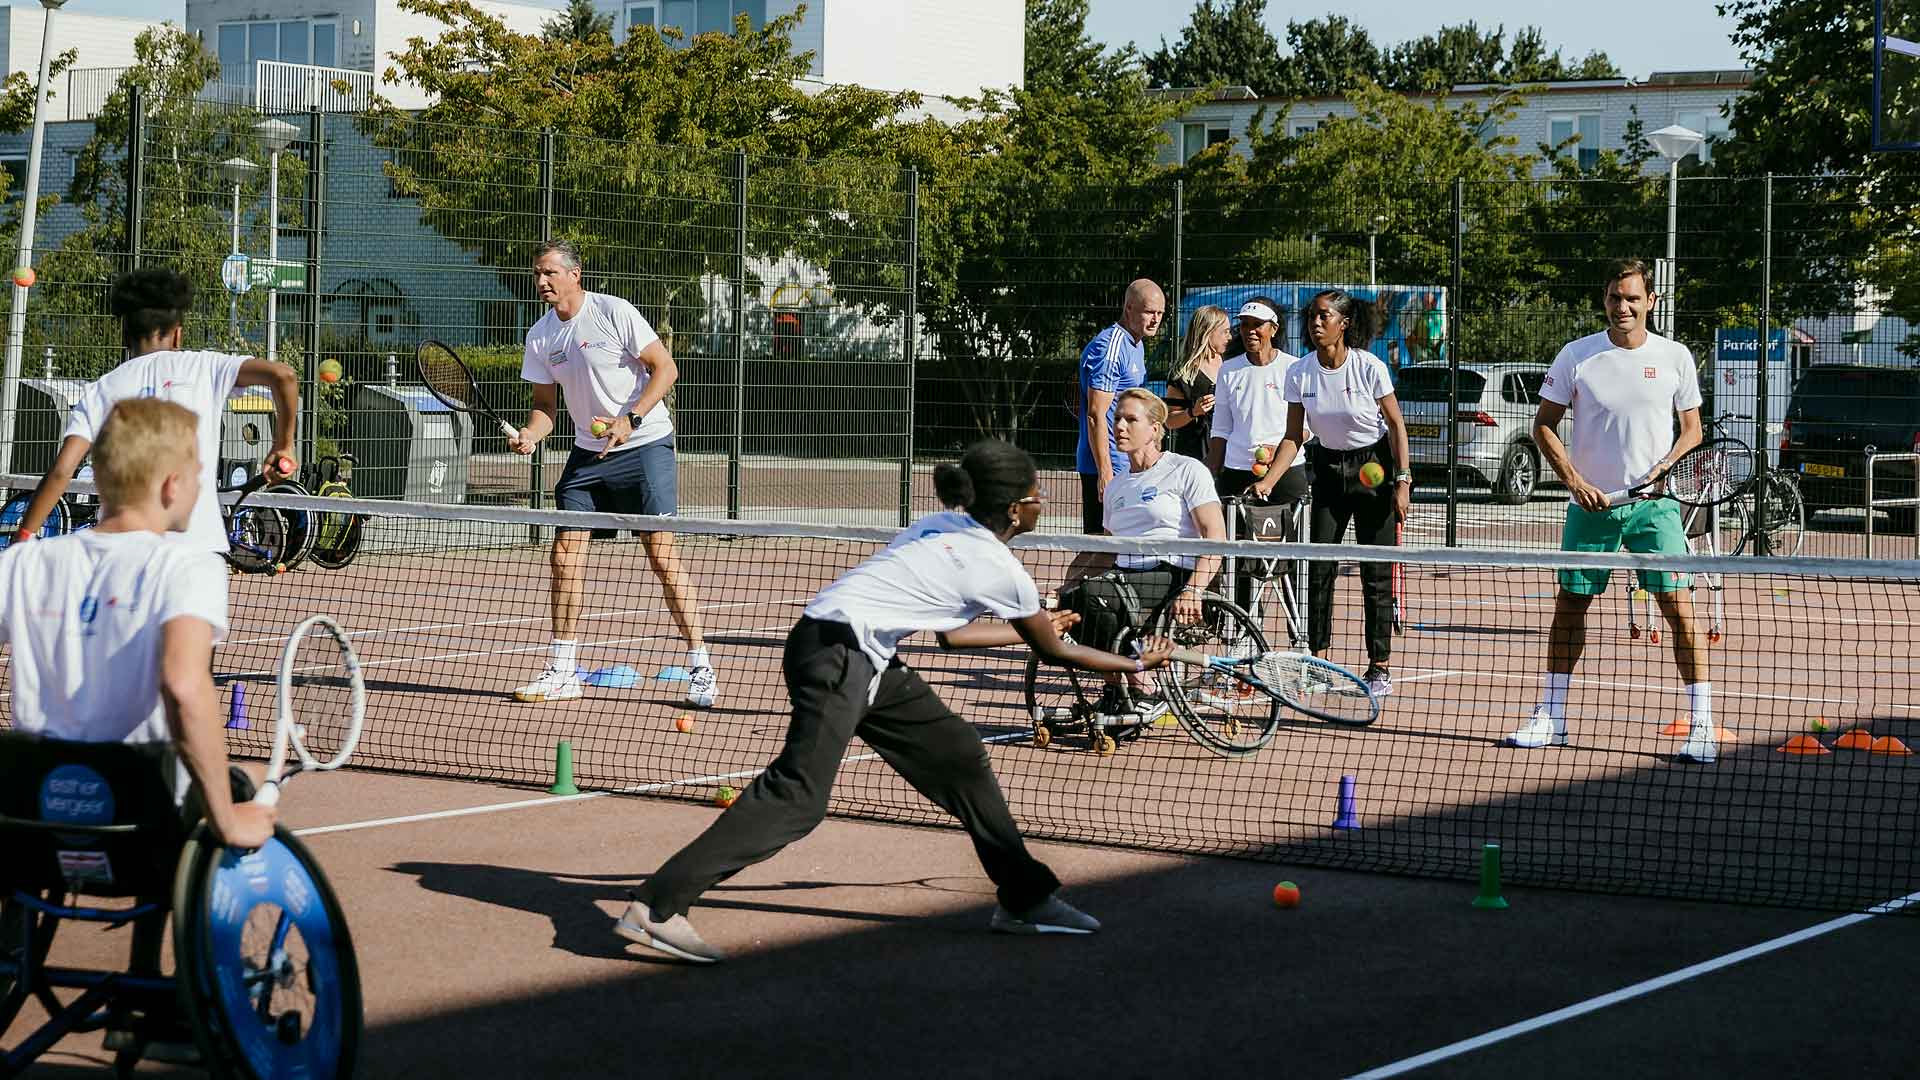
(1892, 504)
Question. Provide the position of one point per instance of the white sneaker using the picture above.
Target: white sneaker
(552, 685)
(1702, 745)
(1540, 730)
(702, 687)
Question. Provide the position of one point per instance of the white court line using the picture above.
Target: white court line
(1659, 689)
(555, 800)
(1628, 993)
(424, 627)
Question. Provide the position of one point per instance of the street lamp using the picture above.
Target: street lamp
(1373, 233)
(275, 135)
(1674, 142)
(17, 322)
(236, 171)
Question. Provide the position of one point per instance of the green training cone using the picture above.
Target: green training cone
(563, 770)
(1490, 897)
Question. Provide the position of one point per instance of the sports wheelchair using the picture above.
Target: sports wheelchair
(265, 978)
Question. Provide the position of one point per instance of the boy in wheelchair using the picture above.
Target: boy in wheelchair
(112, 632)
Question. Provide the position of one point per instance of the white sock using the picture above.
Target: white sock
(1700, 702)
(698, 658)
(1555, 698)
(564, 658)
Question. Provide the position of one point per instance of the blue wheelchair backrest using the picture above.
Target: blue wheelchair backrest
(97, 818)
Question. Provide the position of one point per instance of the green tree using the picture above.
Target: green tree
(579, 22)
(1329, 56)
(1226, 43)
(1467, 54)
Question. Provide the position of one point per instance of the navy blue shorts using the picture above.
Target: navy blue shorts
(641, 481)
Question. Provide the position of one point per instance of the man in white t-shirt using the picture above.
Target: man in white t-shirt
(1623, 387)
(616, 373)
(151, 305)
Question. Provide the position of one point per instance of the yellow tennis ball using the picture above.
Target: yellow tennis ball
(1265, 453)
(1371, 474)
(600, 428)
(330, 371)
(23, 276)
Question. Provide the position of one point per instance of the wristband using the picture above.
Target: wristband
(1139, 666)
(21, 536)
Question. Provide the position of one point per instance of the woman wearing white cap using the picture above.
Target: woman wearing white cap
(1250, 415)
(1358, 464)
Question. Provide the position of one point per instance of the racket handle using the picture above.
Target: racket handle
(1615, 498)
(269, 794)
(507, 429)
(1188, 656)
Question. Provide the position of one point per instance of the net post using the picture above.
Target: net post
(736, 443)
(910, 335)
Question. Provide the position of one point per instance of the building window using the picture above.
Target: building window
(16, 173)
(1197, 137)
(1587, 126)
(1707, 122)
(642, 15)
(293, 41)
(694, 17)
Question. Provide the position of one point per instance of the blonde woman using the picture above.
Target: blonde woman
(1190, 388)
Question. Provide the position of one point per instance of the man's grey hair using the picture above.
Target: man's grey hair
(569, 255)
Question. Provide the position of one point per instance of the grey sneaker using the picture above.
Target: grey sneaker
(1541, 729)
(676, 936)
(1379, 681)
(703, 686)
(1051, 916)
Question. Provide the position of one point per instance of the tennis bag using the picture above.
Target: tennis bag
(1108, 607)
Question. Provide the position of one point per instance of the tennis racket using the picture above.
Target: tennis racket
(449, 379)
(322, 702)
(1399, 577)
(1712, 473)
(1320, 688)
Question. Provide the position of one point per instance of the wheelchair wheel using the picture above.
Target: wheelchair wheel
(1221, 713)
(1060, 699)
(301, 524)
(57, 523)
(257, 540)
(336, 536)
(266, 964)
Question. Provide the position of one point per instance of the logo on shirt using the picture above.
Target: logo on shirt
(1649, 373)
(557, 356)
(1549, 380)
(1146, 495)
(89, 610)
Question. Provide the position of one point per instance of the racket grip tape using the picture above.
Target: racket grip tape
(269, 794)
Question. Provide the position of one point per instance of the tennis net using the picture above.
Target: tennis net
(1813, 800)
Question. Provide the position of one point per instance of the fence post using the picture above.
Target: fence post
(1453, 359)
(549, 151)
(1760, 544)
(316, 219)
(1172, 334)
(136, 171)
(737, 443)
(910, 334)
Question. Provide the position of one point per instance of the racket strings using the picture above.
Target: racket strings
(1712, 474)
(446, 375)
(321, 695)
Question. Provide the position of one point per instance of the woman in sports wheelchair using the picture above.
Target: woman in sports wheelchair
(1120, 598)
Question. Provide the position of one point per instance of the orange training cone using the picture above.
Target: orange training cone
(1802, 744)
(1888, 744)
(1856, 739)
(1683, 727)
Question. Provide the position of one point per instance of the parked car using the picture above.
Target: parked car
(1494, 420)
(1837, 412)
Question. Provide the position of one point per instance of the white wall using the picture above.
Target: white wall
(102, 41)
(932, 46)
(393, 27)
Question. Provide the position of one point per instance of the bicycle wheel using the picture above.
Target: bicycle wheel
(1783, 517)
(257, 540)
(266, 964)
(1222, 713)
(1060, 699)
(15, 509)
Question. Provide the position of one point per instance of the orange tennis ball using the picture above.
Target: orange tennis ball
(1286, 895)
(330, 371)
(1371, 474)
(725, 796)
(24, 276)
(684, 724)
(1260, 469)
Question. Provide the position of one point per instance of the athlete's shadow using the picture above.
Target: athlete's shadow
(582, 926)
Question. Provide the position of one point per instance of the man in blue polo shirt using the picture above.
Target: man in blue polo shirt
(1114, 362)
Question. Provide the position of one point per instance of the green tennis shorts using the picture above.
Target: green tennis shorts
(1643, 526)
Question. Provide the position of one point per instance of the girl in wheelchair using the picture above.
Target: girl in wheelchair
(1164, 496)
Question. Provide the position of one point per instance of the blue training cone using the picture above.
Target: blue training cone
(1346, 817)
(237, 708)
(617, 677)
(674, 674)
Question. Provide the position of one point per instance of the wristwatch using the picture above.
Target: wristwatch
(633, 420)
(1404, 476)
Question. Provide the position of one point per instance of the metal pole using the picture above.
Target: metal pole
(17, 322)
(136, 171)
(1672, 320)
(1179, 255)
(549, 149)
(1372, 238)
(911, 332)
(736, 445)
(316, 222)
(1453, 360)
(233, 298)
(1760, 435)
(273, 255)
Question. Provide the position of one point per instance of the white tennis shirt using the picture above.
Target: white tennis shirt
(595, 359)
(1622, 402)
(1158, 503)
(940, 573)
(1343, 404)
(1250, 408)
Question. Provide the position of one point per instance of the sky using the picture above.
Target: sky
(1642, 36)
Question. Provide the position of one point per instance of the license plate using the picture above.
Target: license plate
(1814, 469)
(1423, 431)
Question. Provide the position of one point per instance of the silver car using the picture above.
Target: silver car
(1494, 420)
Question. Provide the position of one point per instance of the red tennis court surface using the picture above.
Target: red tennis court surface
(485, 951)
